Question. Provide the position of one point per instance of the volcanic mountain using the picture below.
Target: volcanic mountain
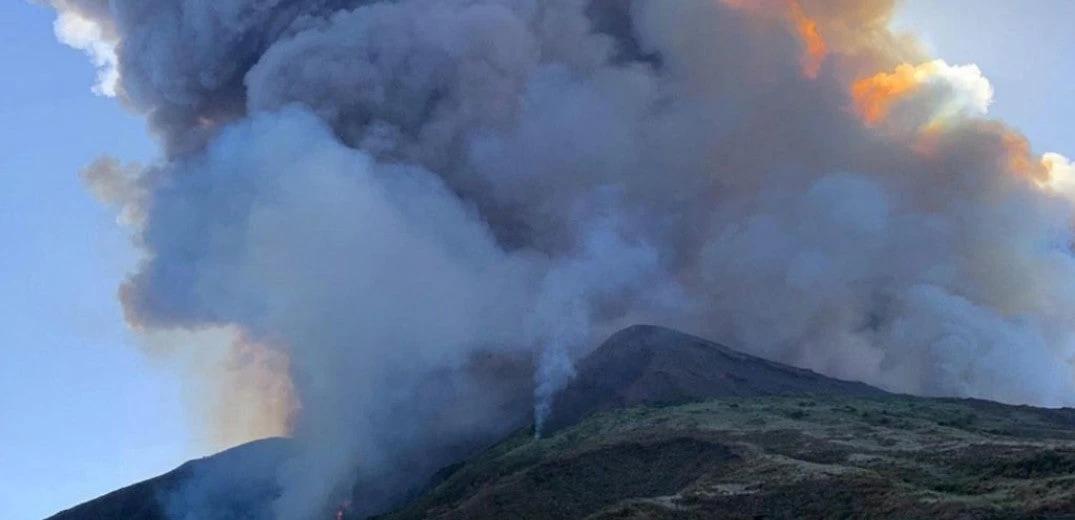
(652, 365)
(660, 424)
(775, 457)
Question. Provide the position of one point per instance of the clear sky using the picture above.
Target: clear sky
(83, 412)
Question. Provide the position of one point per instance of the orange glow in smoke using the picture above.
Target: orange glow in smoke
(1020, 159)
(927, 142)
(874, 95)
(1011, 149)
(805, 27)
(816, 48)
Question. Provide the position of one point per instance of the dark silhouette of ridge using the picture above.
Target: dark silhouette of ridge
(240, 480)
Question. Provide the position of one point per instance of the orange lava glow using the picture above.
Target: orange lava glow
(874, 95)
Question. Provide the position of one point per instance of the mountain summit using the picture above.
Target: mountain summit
(644, 364)
(658, 424)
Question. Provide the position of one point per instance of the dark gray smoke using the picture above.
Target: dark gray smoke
(432, 207)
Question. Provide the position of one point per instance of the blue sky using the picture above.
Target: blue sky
(1022, 46)
(83, 412)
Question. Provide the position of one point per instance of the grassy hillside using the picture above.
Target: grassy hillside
(776, 457)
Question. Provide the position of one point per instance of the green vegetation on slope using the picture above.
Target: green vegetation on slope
(776, 457)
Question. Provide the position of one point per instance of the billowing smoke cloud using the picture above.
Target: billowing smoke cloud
(432, 207)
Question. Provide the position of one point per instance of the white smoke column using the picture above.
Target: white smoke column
(399, 262)
(562, 320)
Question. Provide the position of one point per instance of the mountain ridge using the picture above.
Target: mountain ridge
(648, 364)
(658, 424)
(152, 499)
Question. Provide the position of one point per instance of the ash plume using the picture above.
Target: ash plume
(432, 207)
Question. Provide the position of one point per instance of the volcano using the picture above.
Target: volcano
(651, 365)
(662, 424)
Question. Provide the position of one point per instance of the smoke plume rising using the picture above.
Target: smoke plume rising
(430, 208)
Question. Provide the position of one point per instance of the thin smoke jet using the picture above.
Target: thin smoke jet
(431, 208)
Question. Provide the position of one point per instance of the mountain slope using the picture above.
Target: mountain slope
(777, 457)
(638, 365)
(239, 482)
(663, 425)
(652, 365)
